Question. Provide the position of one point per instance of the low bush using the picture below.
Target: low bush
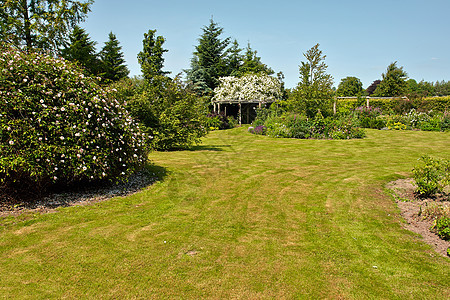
(218, 121)
(432, 176)
(58, 126)
(369, 117)
(442, 227)
(291, 125)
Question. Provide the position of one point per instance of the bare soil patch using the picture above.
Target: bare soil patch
(413, 210)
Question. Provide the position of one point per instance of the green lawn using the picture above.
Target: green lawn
(241, 216)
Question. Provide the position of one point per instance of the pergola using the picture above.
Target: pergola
(244, 106)
(246, 92)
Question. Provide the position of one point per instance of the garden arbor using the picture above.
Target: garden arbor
(241, 95)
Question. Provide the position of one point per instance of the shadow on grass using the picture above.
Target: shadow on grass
(81, 193)
(208, 148)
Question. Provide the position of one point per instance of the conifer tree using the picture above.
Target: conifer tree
(82, 50)
(209, 62)
(234, 59)
(151, 57)
(112, 61)
(252, 63)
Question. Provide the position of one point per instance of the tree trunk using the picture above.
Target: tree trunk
(27, 25)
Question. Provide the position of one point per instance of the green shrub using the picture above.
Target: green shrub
(432, 176)
(369, 117)
(172, 116)
(58, 126)
(291, 125)
(215, 121)
(442, 227)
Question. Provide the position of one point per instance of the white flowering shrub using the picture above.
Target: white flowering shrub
(58, 126)
(250, 87)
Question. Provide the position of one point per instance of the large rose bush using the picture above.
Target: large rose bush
(58, 126)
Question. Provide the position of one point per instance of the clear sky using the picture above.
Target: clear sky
(360, 38)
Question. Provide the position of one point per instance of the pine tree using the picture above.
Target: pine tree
(209, 62)
(252, 63)
(82, 50)
(151, 57)
(112, 61)
(234, 59)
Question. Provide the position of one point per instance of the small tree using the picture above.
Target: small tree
(350, 87)
(314, 91)
(393, 83)
(40, 24)
(82, 50)
(151, 57)
(113, 64)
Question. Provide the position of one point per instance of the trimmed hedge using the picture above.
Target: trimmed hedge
(397, 105)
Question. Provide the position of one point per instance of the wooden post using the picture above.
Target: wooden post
(334, 106)
(248, 113)
(367, 102)
(218, 108)
(225, 111)
(240, 113)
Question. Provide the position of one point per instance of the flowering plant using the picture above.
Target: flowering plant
(56, 125)
(260, 87)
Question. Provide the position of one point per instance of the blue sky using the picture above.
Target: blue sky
(359, 38)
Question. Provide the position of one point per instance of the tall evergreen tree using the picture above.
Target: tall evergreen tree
(252, 63)
(81, 49)
(151, 57)
(209, 62)
(393, 83)
(112, 61)
(40, 24)
(234, 59)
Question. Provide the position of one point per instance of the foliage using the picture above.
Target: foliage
(170, 114)
(151, 57)
(442, 227)
(371, 89)
(417, 90)
(314, 92)
(81, 49)
(112, 61)
(59, 126)
(431, 176)
(252, 64)
(252, 87)
(216, 121)
(442, 88)
(393, 83)
(209, 61)
(291, 125)
(369, 117)
(40, 24)
(350, 87)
